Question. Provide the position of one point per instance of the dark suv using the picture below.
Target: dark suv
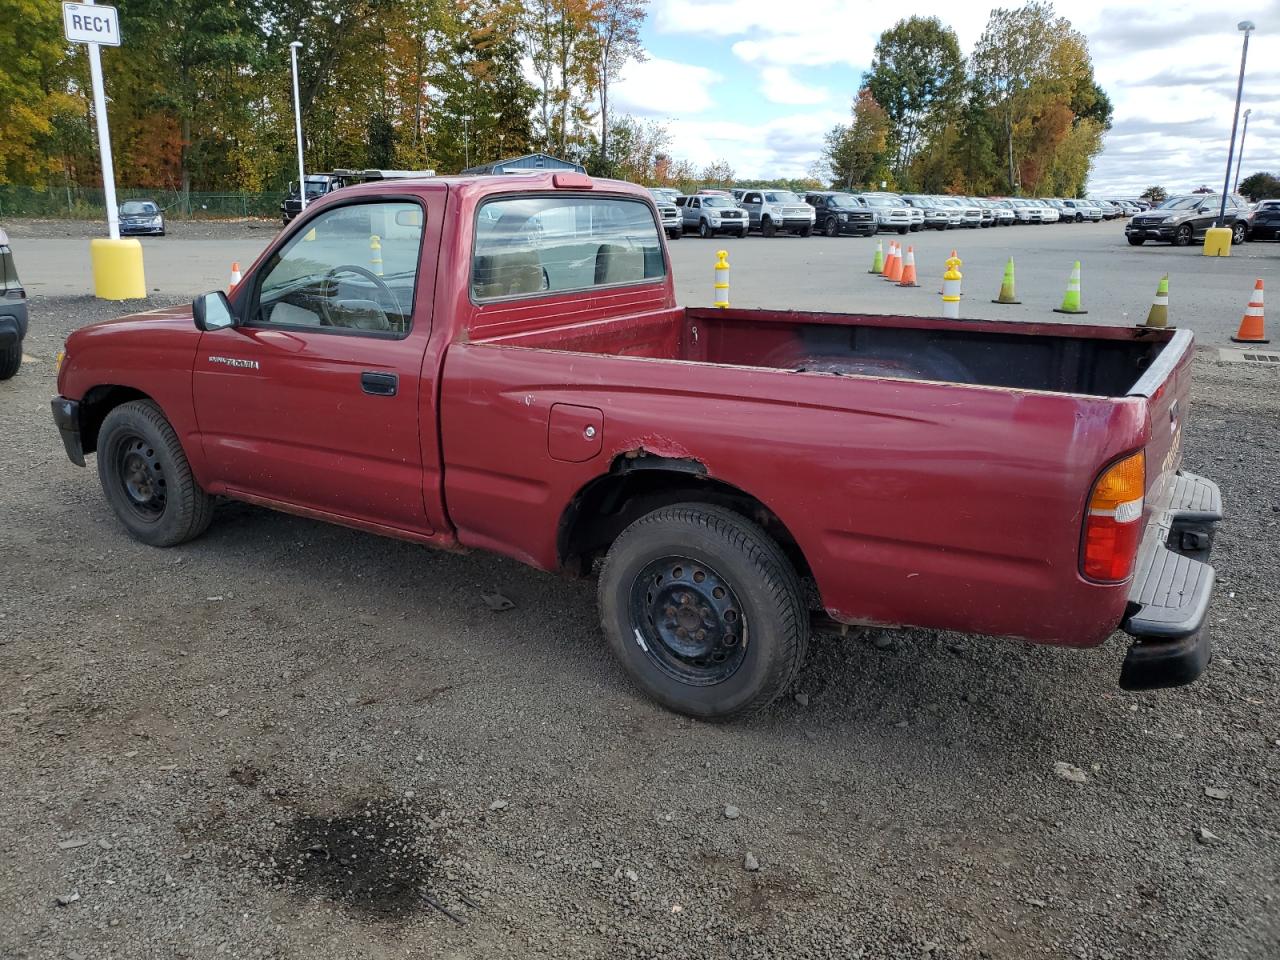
(841, 213)
(1264, 222)
(13, 312)
(1183, 220)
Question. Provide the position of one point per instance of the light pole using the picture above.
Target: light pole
(1246, 27)
(1240, 156)
(466, 140)
(297, 125)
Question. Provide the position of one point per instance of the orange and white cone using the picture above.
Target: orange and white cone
(893, 269)
(235, 275)
(909, 269)
(1251, 327)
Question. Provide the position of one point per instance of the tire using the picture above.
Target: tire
(831, 227)
(10, 361)
(722, 570)
(1237, 234)
(742, 233)
(1079, 218)
(1137, 241)
(705, 231)
(136, 448)
(1182, 238)
(902, 231)
(806, 231)
(768, 228)
(675, 234)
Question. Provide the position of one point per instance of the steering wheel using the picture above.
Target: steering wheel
(371, 277)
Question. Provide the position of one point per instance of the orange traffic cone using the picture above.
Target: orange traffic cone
(1251, 327)
(909, 269)
(235, 275)
(893, 269)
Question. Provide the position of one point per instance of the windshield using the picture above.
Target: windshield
(718, 202)
(781, 196)
(843, 200)
(661, 196)
(139, 208)
(1183, 203)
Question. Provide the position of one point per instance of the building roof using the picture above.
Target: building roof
(531, 161)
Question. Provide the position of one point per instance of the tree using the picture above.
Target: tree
(917, 77)
(718, 174)
(639, 152)
(616, 25)
(561, 47)
(1156, 195)
(857, 154)
(1260, 186)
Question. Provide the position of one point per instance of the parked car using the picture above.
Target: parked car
(1064, 215)
(1007, 482)
(892, 212)
(954, 210)
(935, 215)
(1080, 210)
(1264, 221)
(1048, 212)
(774, 210)
(141, 218)
(712, 214)
(669, 212)
(1109, 210)
(13, 312)
(317, 185)
(987, 214)
(1024, 211)
(917, 218)
(668, 194)
(1002, 210)
(840, 213)
(1183, 220)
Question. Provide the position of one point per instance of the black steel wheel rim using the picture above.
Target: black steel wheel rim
(688, 621)
(141, 477)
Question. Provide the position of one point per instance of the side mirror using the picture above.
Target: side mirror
(212, 311)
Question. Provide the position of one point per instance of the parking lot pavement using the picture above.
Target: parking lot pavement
(1207, 294)
(288, 739)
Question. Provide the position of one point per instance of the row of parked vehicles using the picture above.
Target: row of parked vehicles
(832, 213)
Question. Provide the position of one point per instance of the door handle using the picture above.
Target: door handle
(379, 384)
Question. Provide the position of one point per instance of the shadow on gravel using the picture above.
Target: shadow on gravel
(367, 859)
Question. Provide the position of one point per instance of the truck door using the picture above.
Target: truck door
(312, 399)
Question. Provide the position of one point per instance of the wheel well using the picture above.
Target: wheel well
(96, 404)
(633, 487)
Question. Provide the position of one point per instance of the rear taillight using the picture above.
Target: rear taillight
(1113, 525)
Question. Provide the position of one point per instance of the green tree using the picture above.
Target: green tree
(1156, 195)
(616, 26)
(33, 74)
(1260, 186)
(857, 154)
(718, 174)
(917, 76)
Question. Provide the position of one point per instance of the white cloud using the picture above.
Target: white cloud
(655, 87)
(778, 85)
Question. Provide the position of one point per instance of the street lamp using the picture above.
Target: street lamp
(1240, 157)
(297, 124)
(1246, 27)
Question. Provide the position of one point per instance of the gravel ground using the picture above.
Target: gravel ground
(293, 740)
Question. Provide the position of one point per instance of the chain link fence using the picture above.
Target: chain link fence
(89, 203)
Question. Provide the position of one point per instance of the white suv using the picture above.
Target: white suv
(774, 210)
(892, 212)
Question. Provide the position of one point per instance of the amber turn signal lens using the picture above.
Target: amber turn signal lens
(1113, 526)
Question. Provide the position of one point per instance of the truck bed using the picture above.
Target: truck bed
(1060, 358)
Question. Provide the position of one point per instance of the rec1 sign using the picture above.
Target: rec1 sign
(86, 23)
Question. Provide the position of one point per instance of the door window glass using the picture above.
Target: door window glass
(352, 268)
(559, 244)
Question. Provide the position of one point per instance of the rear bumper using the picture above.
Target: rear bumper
(1169, 599)
(13, 324)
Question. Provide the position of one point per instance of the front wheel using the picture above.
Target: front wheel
(1183, 237)
(674, 234)
(806, 231)
(704, 611)
(704, 230)
(903, 231)
(1137, 241)
(831, 227)
(10, 361)
(768, 228)
(146, 478)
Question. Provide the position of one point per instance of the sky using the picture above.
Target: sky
(759, 82)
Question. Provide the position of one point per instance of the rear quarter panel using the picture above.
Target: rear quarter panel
(917, 503)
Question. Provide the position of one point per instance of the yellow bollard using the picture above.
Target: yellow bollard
(1217, 242)
(722, 279)
(375, 254)
(117, 269)
(951, 287)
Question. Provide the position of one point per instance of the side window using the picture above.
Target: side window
(680, 201)
(353, 268)
(695, 203)
(559, 244)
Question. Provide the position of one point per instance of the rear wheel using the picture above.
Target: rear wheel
(703, 610)
(1237, 234)
(1183, 237)
(146, 478)
(10, 360)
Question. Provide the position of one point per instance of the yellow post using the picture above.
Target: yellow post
(951, 287)
(117, 269)
(1217, 242)
(722, 279)
(375, 254)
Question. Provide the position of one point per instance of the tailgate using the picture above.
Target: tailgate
(1167, 387)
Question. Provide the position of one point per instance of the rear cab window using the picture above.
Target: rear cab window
(530, 245)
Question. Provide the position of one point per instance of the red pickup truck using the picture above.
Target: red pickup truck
(499, 363)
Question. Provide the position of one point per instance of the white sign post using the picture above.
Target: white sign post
(93, 25)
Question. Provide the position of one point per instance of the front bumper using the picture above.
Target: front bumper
(1169, 598)
(66, 415)
(1158, 231)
